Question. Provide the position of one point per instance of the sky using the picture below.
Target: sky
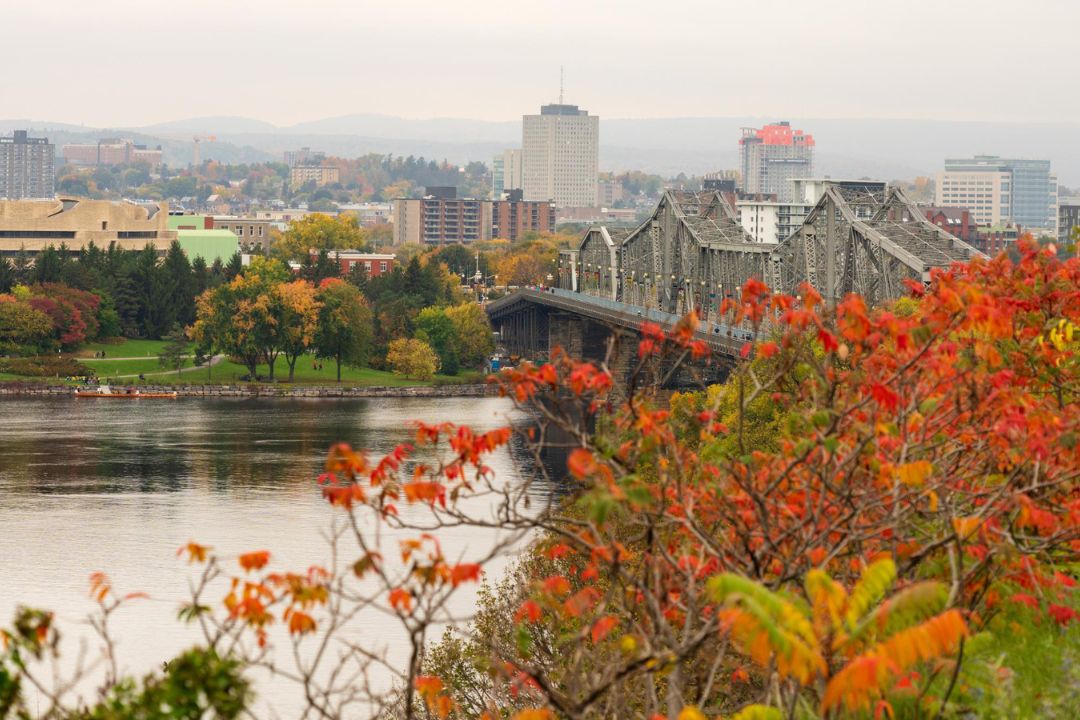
(130, 63)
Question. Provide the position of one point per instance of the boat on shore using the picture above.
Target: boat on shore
(105, 391)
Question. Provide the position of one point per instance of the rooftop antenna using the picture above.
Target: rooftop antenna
(560, 84)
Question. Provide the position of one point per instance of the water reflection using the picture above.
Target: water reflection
(91, 485)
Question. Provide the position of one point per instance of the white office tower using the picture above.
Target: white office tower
(561, 155)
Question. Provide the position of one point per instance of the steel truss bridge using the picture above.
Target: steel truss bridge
(692, 252)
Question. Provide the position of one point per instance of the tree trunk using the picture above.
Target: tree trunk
(292, 366)
(338, 357)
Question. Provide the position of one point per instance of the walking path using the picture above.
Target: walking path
(213, 361)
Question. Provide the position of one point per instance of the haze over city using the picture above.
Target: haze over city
(128, 63)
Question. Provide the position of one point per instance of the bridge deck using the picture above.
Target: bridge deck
(724, 339)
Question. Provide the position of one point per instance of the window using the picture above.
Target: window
(240, 230)
(382, 266)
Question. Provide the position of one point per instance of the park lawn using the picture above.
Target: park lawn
(124, 349)
(112, 368)
(230, 372)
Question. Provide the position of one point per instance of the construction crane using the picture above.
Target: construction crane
(195, 159)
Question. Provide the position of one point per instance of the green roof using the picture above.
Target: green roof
(175, 221)
(210, 245)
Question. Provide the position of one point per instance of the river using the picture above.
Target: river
(119, 486)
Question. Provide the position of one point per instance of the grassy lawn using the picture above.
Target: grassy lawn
(111, 368)
(229, 372)
(124, 348)
(22, 378)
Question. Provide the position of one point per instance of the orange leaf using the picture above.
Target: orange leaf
(529, 610)
(581, 463)
(602, 627)
(556, 585)
(254, 560)
(195, 552)
(300, 622)
(401, 600)
(464, 572)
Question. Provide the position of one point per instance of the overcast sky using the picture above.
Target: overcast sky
(115, 63)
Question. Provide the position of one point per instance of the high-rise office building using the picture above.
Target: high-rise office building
(561, 155)
(773, 156)
(27, 167)
(999, 190)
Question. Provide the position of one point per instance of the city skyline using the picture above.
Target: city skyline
(915, 71)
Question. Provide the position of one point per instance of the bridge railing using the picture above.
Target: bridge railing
(728, 338)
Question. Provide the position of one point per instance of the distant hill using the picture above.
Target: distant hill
(209, 126)
(886, 149)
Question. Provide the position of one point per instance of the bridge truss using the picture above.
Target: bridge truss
(692, 252)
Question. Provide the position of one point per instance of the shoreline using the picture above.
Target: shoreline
(24, 389)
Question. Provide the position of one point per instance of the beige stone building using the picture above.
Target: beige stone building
(33, 225)
(985, 194)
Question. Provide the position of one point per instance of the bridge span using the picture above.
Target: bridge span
(692, 253)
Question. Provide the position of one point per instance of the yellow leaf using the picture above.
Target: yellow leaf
(965, 527)
(691, 713)
(914, 474)
(758, 712)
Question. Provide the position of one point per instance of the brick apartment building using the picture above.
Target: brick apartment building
(374, 263)
(442, 218)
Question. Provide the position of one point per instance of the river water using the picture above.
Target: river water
(118, 486)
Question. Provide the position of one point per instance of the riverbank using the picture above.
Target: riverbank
(254, 390)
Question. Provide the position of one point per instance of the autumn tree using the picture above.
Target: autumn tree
(344, 329)
(237, 319)
(23, 328)
(318, 231)
(434, 327)
(472, 330)
(412, 358)
(299, 320)
(922, 481)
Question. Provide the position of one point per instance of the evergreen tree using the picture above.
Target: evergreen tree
(358, 277)
(180, 284)
(22, 267)
(217, 273)
(200, 276)
(128, 305)
(7, 275)
(325, 268)
(48, 266)
(234, 267)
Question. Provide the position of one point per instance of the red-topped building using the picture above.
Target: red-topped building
(773, 156)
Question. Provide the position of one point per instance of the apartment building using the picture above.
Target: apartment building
(111, 151)
(440, 218)
(560, 156)
(513, 217)
(769, 221)
(27, 167)
(319, 174)
(774, 155)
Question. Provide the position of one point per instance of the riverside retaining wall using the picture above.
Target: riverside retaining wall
(270, 391)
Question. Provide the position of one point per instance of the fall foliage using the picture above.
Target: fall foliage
(918, 477)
